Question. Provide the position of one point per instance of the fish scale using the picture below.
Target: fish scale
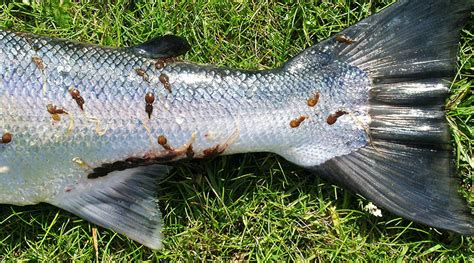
(377, 127)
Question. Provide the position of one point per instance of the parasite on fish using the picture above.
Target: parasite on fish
(38, 62)
(163, 141)
(296, 122)
(190, 152)
(55, 111)
(332, 118)
(213, 151)
(313, 100)
(149, 100)
(160, 64)
(164, 79)
(142, 73)
(344, 39)
(6, 138)
(76, 95)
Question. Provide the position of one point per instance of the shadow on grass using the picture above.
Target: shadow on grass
(226, 207)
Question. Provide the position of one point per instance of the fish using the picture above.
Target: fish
(93, 130)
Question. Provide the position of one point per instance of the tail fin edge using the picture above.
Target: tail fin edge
(409, 51)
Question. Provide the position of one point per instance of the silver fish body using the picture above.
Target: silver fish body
(231, 111)
(93, 129)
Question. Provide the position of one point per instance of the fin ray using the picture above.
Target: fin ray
(123, 201)
(409, 52)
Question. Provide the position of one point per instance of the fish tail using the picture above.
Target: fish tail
(409, 52)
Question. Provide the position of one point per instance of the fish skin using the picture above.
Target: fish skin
(236, 111)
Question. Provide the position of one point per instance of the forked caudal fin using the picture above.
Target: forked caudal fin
(409, 51)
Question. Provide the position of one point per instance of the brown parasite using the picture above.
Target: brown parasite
(332, 118)
(162, 62)
(213, 151)
(164, 79)
(6, 138)
(38, 62)
(149, 100)
(164, 143)
(55, 111)
(296, 122)
(142, 73)
(344, 39)
(314, 99)
(190, 151)
(76, 95)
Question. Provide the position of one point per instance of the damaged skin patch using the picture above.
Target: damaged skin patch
(129, 163)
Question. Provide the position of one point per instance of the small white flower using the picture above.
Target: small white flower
(372, 209)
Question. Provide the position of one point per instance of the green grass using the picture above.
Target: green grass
(245, 207)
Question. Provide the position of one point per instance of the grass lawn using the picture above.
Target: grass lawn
(244, 207)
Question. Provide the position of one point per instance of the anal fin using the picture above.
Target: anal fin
(124, 201)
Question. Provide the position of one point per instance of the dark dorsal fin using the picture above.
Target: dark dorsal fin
(162, 47)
